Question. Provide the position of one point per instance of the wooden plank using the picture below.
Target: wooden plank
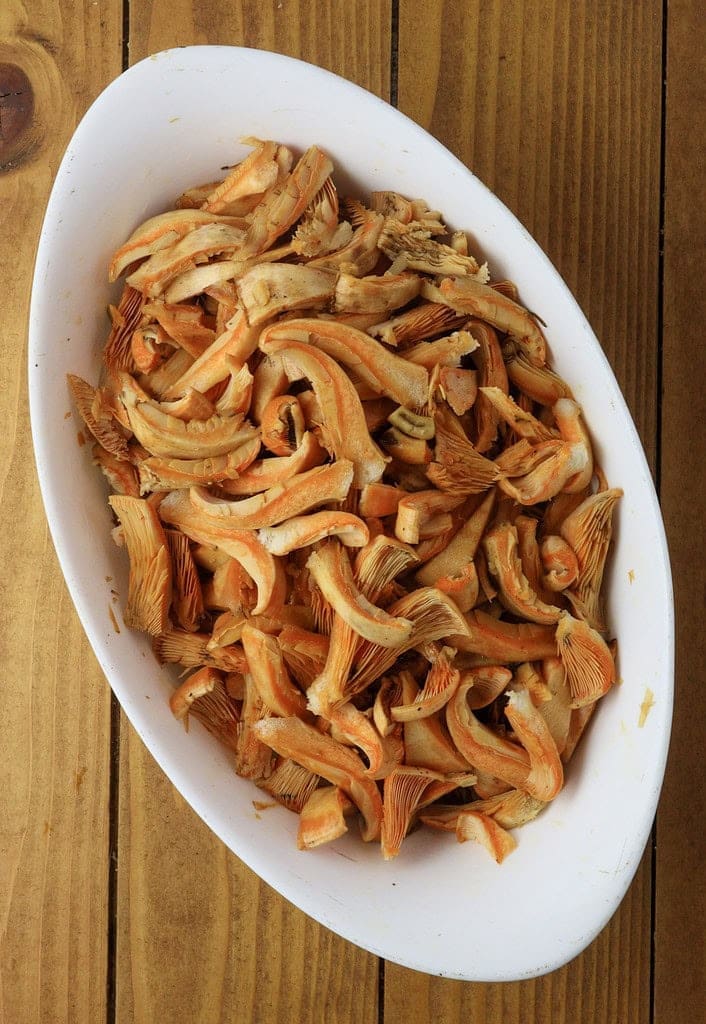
(556, 106)
(54, 728)
(680, 984)
(199, 936)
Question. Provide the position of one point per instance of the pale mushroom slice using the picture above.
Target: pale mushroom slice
(150, 580)
(232, 348)
(319, 231)
(411, 247)
(198, 245)
(290, 737)
(510, 809)
(501, 551)
(304, 652)
(300, 494)
(126, 317)
(159, 383)
(187, 596)
(331, 569)
(421, 322)
(351, 726)
(433, 615)
(383, 371)
(505, 641)
(442, 681)
(341, 408)
(487, 682)
(282, 425)
(197, 279)
(286, 201)
(254, 759)
(531, 557)
(149, 347)
(99, 421)
(427, 744)
(204, 696)
(523, 423)
(589, 665)
(446, 352)
(121, 475)
(263, 568)
(556, 711)
(237, 395)
(470, 296)
(418, 515)
(380, 294)
(269, 674)
(461, 549)
(560, 566)
(302, 531)
(259, 171)
(264, 474)
(191, 406)
(458, 468)
(290, 784)
(227, 629)
(272, 288)
(480, 828)
(560, 463)
(359, 255)
(589, 529)
(481, 746)
(413, 451)
(323, 817)
(539, 383)
(546, 776)
(404, 790)
(180, 647)
(158, 474)
(230, 588)
(569, 420)
(380, 500)
(183, 323)
(458, 388)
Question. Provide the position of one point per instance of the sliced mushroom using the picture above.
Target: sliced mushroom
(269, 674)
(590, 670)
(458, 468)
(501, 551)
(150, 580)
(323, 817)
(268, 289)
(282, 426)
(204, 696)
(290, 784)
(546, 776)
(187, 597)
(505, 641)
(589, 529)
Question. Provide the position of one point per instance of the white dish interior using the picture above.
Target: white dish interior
(174, 120)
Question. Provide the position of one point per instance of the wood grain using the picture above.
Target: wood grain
(182, 898)
(54, 729)
(680, 937)
(556, 107)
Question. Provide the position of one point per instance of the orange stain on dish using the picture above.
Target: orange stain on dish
(647, 704)
(81, 438)
(114, 621)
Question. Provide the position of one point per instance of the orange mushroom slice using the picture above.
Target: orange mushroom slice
(461, 549)
(254, 759)
(264, 474)
(323, 817)
(268, 289)
(539, 383)
(458, 468)
(458, 387)
(479, 828)
(442, 681)
(158, 474)
(301, 493)
(418, 515)
(487, 682)
(421, 322)
(237, 395)
(196, 246)
(290, 784)
(341, 409)
(546, 776)
(383, 371)
(410, 246)
(290, 737)
(445, 352)
(183, 323)
(263, 568)
(569, 420)
(589, 665)
(470, 296)
(150, 579)
(259, 171)
(269, 674)
(331, 569)
(359, 255)
(230, 588)
(302, 531)
(501, 551)
(232, 348)
(187, 597)
(204, 696)
(481, 746)
(560, 566)
(181, 647)
(556, 711)
(122, 476)
(352, 727)
(404, 790)
(378, 294)
(561, 462)
(282, 425)
(380, 500)
(505, 641)
(97, 418)
(589, 529)
(510, 809)
(304, 652)
(523, 423)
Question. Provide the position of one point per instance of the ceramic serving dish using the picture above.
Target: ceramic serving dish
(174, 120)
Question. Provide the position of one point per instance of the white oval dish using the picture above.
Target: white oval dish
(174, 120)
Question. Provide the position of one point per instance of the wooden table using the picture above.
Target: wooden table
(116, 903)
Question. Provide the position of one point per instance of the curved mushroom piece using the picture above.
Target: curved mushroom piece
(269, 381)
(164, 474)
(539, 383)
(516, 594)
(530, 557)
(282, 426)
(323, 817)
(331, 569)
(269, 674)
(590, 670)
(379, 294)
(569, 420)
(259, 171)
(486, 683)
(417, 512)
(150, 580)
(461, 549)
(254, 759)
(290, 737)
(505, 641)
(121, 475)
(340, 406)
(237, 396)
(403, 791)
(556, 711)
(268, 289)
(351, 726)
(383, 371)
(359, 255)
(184, 324)
(169, 437)
(187, 596)
(481, 746)
(462, 585)
(380, 500)
(423, 321)
(561, 462)
(479, 828)
(204, 696)
(302, 531)
(290, 784)
(444, 352)
(266, 572)
(510, 809)
(304, 652)
(413, 451)
(458, 468)
(125, 320)
(589, 529)
(200, 244)
(440, 684)
(469, 296)
(99, 421)
(546, 776)
(523, 423)
(232, 348)
(560, 566)
(409, 246)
